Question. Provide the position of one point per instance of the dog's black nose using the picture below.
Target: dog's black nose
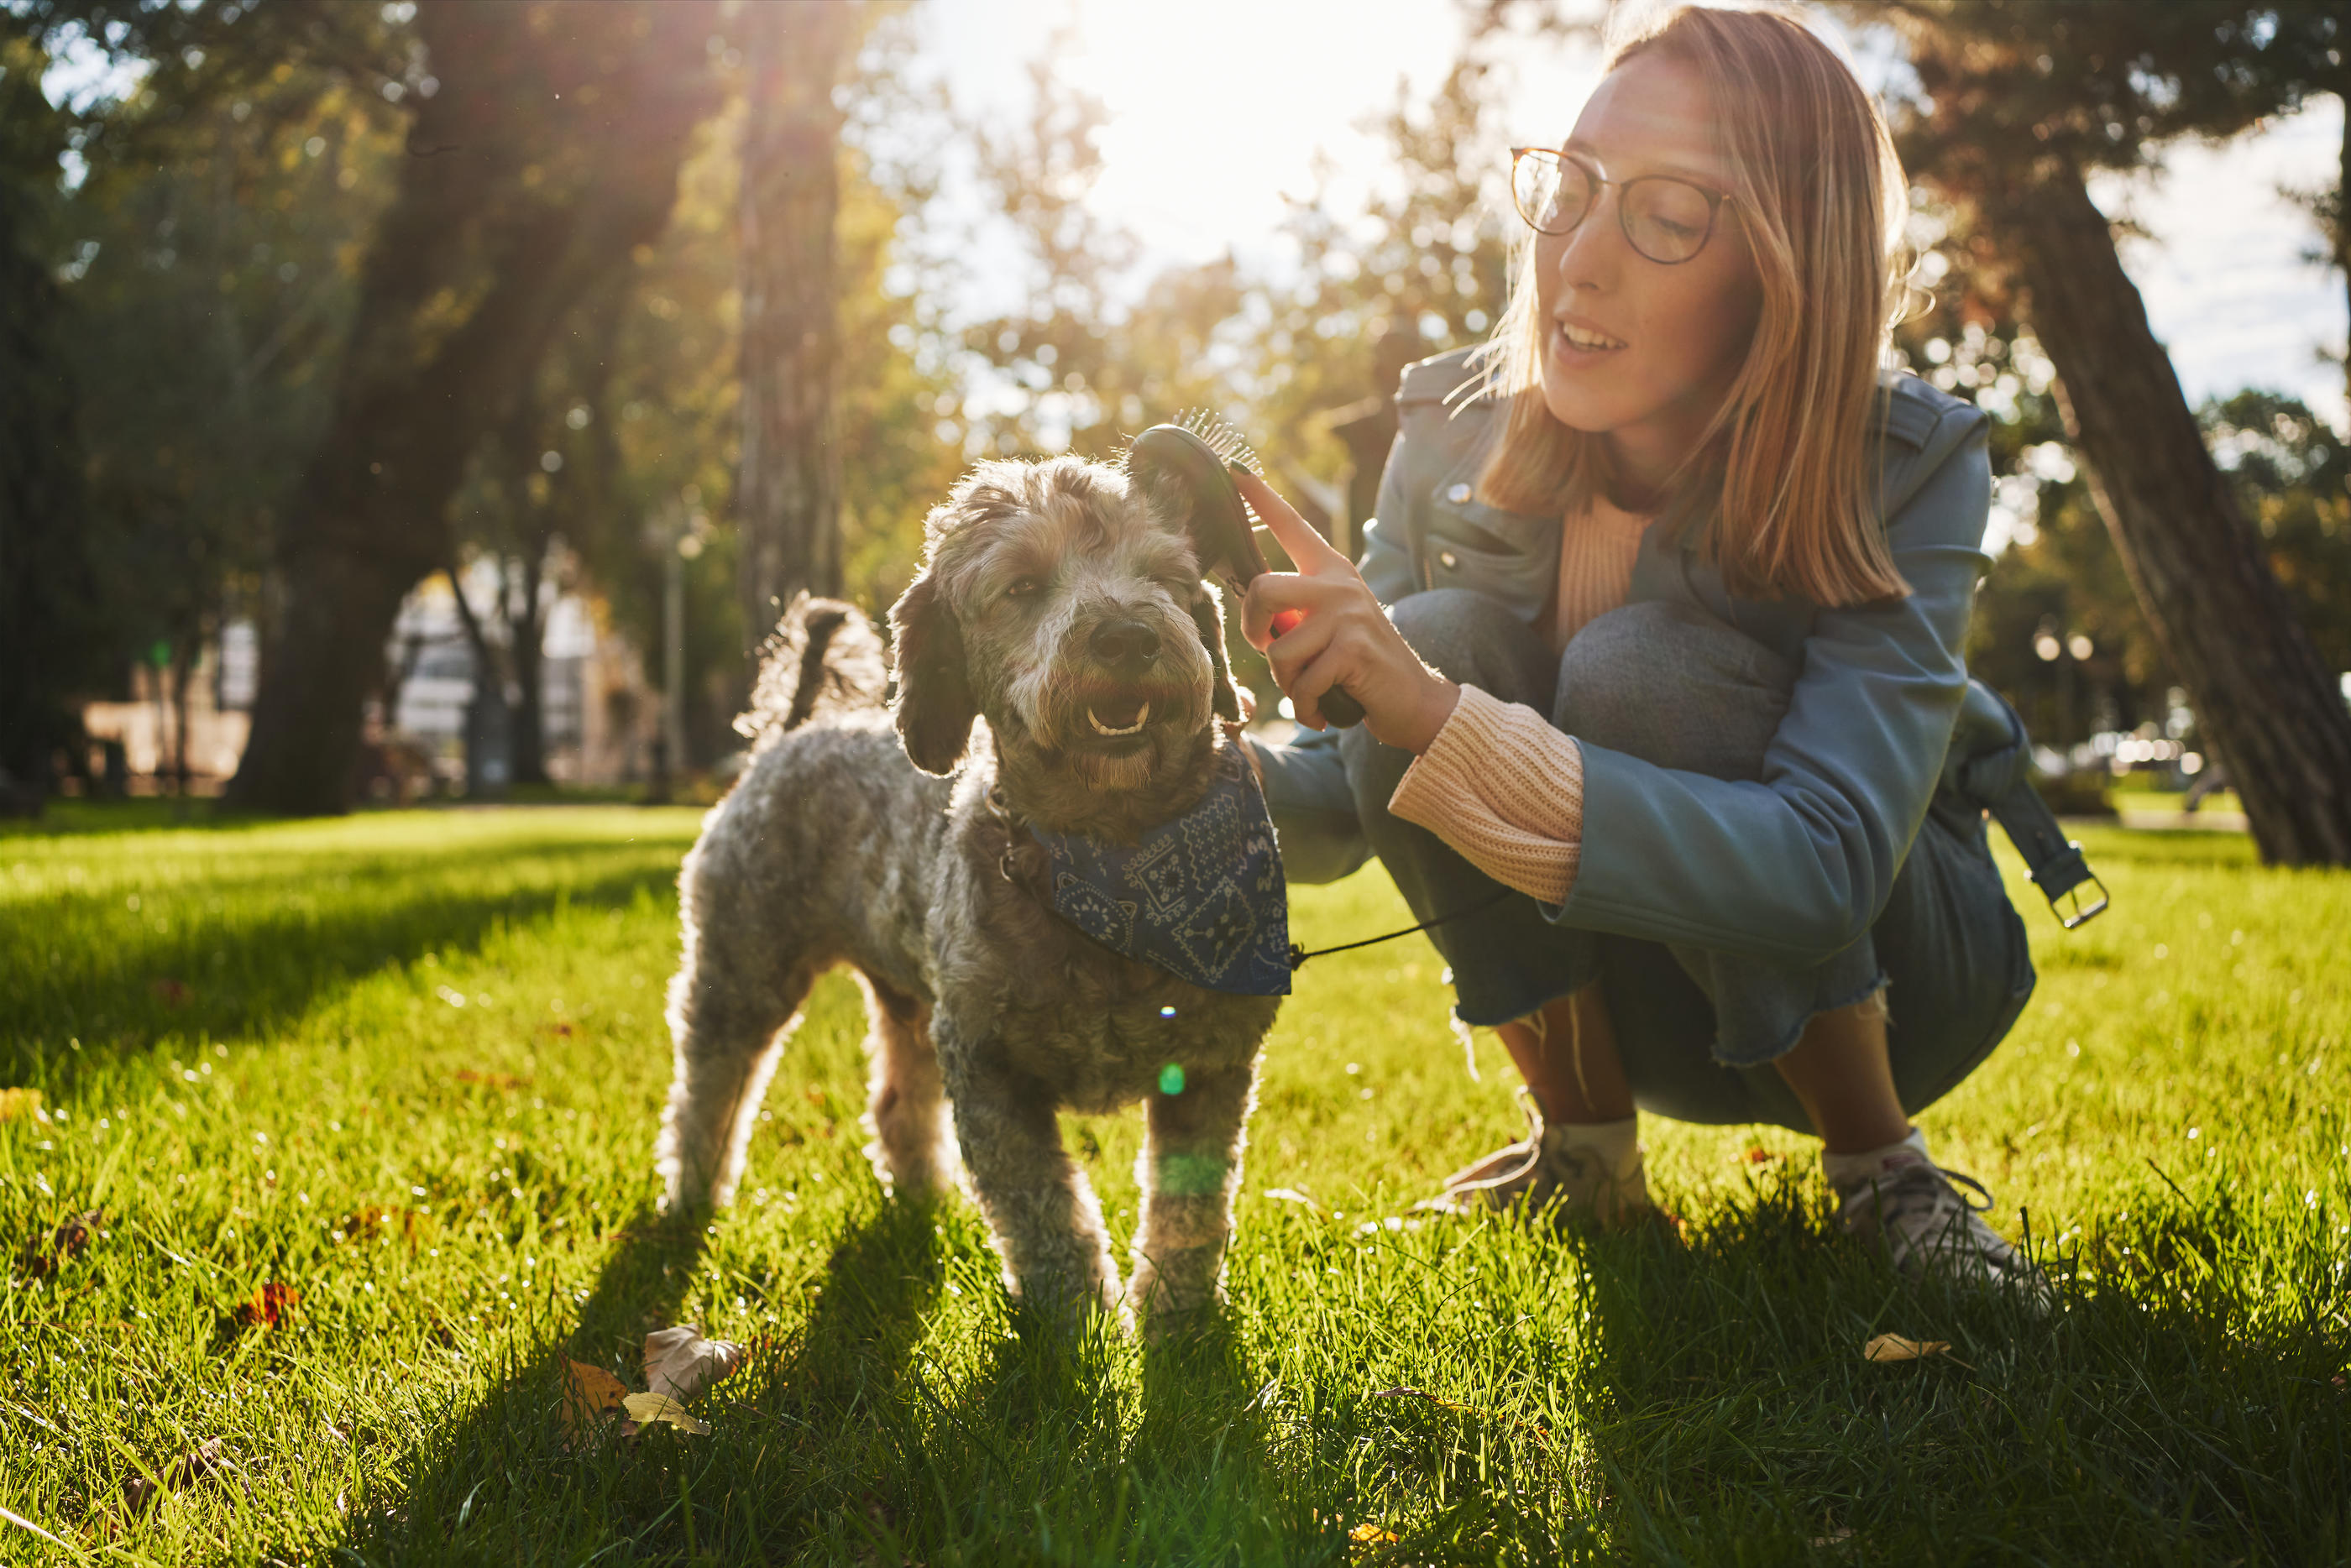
(1125, 643)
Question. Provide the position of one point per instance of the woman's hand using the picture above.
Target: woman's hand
(1345, 638)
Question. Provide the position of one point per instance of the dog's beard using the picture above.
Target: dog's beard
(1114, 773)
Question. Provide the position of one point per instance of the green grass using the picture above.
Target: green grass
(251, 1045)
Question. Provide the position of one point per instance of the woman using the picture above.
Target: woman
(1660, 625)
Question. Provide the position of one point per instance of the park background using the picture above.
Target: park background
(426, 405)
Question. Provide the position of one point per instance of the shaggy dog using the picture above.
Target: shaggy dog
(1060, 664)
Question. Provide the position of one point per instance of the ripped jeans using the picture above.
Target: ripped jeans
(1697, 1029)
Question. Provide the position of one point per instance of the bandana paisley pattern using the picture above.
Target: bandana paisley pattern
(1201, 897)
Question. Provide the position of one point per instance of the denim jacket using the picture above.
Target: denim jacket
(1795, 866)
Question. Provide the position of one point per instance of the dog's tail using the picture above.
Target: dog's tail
(825, 657)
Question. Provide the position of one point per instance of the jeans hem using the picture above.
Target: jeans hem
(1729, 1057)
(1461, 1013)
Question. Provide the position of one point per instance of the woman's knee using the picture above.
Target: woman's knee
(1674, 687)
(1472, 639)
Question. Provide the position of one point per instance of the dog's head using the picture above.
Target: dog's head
(1062, 603)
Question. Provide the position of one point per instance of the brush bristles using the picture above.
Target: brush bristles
(1219, 437)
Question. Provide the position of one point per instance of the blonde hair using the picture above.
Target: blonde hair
(1821, 202)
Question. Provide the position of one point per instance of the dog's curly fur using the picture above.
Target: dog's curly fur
(1049, 593)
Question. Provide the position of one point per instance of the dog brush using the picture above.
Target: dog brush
(1194, 453)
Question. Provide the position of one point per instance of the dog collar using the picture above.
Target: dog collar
(1201, 897)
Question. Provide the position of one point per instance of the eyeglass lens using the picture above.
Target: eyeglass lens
(1666, 219)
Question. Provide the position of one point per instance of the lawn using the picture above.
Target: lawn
(404, 1068)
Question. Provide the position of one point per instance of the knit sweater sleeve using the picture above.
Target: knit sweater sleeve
(1506, 790)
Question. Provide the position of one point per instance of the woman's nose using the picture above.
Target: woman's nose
(1591, 254)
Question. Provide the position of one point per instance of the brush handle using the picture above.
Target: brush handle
(1342, 710)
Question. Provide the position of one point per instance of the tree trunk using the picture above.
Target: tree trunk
(2338, 224)
(527, 634)
(2271, 710)
(550, 149)
(488, 723)
(787, 488)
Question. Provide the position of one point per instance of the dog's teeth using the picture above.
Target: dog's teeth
(1140, 718)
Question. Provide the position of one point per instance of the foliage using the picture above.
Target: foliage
(2006, 84)
(265, 1076)
(53, 642)
(2294, 479)
(214, 271)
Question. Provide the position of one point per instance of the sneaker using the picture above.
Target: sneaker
(1899, 1197)
(1572, 1172)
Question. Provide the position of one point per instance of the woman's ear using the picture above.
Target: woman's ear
(1208, 615)
(935, 709)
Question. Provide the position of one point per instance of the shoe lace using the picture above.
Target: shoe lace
(1535, 1147)
(1923, 1192)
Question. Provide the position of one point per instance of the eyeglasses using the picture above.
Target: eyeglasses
(1666, 219)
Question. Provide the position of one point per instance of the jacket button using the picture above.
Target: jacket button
(1457, 494)
(1448, 559)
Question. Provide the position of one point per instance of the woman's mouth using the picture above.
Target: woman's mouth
(1119, 716)
(1576, 341)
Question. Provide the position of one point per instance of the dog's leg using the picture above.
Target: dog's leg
(1039, 1207)
(1190, 1169)
(906, 1108)
(728, 1029)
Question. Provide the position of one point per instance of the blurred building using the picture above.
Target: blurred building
(600, 716)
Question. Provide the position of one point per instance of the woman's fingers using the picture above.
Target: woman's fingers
(1307, 548)
(1293, 652)
(1276, 593)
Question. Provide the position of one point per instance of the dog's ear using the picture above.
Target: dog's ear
(1208, 615)
(935, 709)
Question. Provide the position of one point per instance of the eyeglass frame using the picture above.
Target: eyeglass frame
(1715, 200)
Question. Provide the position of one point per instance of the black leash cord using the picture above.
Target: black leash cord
(1297, 955)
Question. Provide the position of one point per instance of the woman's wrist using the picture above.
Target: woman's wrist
(1439, 697)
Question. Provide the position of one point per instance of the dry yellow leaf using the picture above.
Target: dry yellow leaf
(646, 1409)
(1894, 1347)
(590, 1394)
(680, 1363)
(1370, 1534)
(14, 1103)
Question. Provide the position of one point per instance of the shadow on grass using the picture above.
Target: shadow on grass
(844, 1443)
(796, 1432)
(2153, 1417)
(122, 986)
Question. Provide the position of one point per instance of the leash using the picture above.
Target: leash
(1298, 955)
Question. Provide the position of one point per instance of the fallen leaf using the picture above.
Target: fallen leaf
(1760, 1155)
(204, 1460)
(590, 1395)
(646, 1409)
(1894, 1347)
(1291, 1195)
(14, 1103)
(174, 992)
(266, 1307)
(66, 1243)
(492, 1080)
(815, 1095)
(1833, 1538)
(1370, 1534)
(680, 1363)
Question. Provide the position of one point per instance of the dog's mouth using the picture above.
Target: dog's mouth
(1121, 716)
(1112, 720)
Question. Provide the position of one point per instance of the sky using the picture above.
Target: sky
(1219, 109)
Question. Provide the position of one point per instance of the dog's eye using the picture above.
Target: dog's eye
(1023, 587)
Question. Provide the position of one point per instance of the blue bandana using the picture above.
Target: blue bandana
(1201, 897)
